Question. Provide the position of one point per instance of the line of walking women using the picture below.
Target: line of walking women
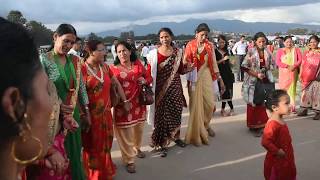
(81, 93)
(65, 106)
(82, 125)
(49, 114)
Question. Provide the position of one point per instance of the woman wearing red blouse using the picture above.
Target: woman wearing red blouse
(129, 123)
(166, 67)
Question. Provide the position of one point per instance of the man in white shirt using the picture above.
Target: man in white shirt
(75, 50)
(113, 49)
(144, 53)
(240, 50)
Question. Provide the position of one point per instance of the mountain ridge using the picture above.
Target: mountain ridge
(188, 27)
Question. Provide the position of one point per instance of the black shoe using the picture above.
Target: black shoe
(141, 154)
(180, 143)
(258, 132)
(164, 152)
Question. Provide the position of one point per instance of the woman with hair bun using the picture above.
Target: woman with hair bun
(64, 71)
(97, 143)
(201, 53)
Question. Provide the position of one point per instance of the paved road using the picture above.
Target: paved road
(234, 154)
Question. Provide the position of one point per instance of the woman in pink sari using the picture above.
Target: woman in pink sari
(310, 79)
(288, 60)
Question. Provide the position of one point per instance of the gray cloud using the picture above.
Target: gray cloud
(71, 11)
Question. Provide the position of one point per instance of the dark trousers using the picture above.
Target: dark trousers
(145, 61)
(240, 74)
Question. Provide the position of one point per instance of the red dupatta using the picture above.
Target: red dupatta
(310, 67)
(191, 53)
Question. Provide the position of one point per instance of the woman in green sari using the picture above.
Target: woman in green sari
(65, 72)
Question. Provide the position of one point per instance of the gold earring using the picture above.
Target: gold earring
(24, 139)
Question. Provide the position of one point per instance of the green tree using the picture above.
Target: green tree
(41, 34)
(184, 37)
(298, 31)
(277, 33)
(93, 36)
(109, 39)
(16, 17)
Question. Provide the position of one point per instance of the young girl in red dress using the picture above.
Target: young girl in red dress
(279, 162)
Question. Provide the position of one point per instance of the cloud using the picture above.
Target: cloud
(59, 11)
(100, 15)
(283, 14)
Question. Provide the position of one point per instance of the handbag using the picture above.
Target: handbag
(261, 90)
(146, 95)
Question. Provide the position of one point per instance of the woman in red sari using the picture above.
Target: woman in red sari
(310, 79)
(97, 142)
(129, 121)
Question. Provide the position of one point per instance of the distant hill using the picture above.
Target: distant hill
(188, 27)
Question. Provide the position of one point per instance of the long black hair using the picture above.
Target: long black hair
(133, 56)
(91, 46)
(167, 30)
(202, 27)
(259, 35)
(315, 37)
(222, 37)
(19, 65)
(63, 29)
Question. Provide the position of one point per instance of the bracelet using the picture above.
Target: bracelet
(126, 101)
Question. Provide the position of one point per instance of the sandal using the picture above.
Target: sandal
(231, 113)
(180, 143)
(131, 168)
(302, 112)
(317, 116)
(164, 152)
(223, 113)
(258, 132)
(211, 132)
(140, 154)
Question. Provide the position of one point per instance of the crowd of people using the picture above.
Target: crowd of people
(60, 112)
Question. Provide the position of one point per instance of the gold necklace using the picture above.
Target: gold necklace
(94, 74)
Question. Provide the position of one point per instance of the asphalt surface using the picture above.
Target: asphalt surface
(234, 154)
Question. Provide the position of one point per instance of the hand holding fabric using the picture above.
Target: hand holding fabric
(57, 163)
(86, 121)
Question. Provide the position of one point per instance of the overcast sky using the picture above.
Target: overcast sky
(99, 15)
